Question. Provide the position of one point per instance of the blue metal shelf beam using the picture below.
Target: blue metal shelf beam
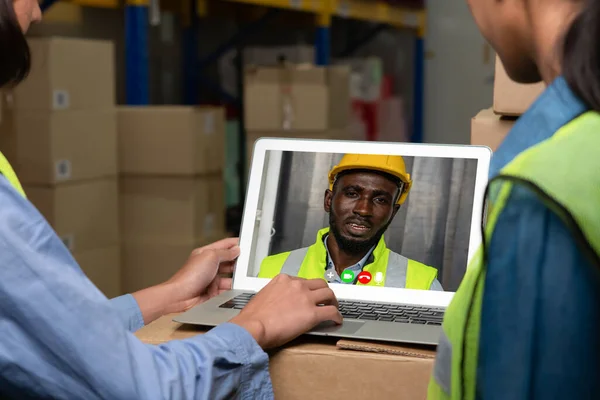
(137, 74)
(323, 39)
(323, 46)
(191, 76)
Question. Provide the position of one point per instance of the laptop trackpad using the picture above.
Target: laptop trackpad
(347, 328)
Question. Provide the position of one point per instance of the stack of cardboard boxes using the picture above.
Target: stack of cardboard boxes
(59, 131)
(511, 100)
(172, 160)
(299, 101)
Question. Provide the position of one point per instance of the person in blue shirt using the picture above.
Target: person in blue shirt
(61, 338)
(539, 285)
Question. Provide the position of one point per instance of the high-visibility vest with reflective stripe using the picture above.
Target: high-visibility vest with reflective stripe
(310, 263)
(7, 171)
(569, 188)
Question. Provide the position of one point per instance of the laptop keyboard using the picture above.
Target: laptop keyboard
(368, 311)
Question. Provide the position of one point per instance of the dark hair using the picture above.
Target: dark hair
(15, 58)
(581, 54)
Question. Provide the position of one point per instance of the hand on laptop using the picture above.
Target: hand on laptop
(286, 308)
(197, 281)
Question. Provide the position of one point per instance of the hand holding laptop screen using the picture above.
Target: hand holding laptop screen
(365, 219)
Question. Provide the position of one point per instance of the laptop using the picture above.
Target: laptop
(437, 227)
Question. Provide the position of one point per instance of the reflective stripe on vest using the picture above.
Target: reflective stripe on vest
(293, 262)
(545, 170)
(7, 171)
(310, 263)
(394, 277)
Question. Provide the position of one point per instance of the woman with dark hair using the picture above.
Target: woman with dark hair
(61, 338)
(524, 323)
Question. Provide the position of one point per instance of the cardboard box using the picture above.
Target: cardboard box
(103, 267)
(511, 98)
(174, 208)
(489, 129)
(148, 262)
(303, 368)
(171, 140)
(61, 146)
(68, 74)
(297, 98)
(85, 215)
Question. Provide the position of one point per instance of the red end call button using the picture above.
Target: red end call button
(364, 277)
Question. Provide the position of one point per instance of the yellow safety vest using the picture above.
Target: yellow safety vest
(7, 171)
(569, 188)
(310, 263)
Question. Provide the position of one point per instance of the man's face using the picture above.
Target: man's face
(360, 208)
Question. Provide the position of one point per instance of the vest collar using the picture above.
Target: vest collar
(377, 253)
(9, 174)
(555, 107)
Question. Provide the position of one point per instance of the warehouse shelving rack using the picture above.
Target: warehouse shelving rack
(140, 13)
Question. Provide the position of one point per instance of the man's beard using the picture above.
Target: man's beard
(354, 246)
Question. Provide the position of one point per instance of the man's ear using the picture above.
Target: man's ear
(327, 200)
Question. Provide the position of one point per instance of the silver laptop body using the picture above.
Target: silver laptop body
(397, 315)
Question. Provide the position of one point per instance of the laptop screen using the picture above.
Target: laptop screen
(400, 221)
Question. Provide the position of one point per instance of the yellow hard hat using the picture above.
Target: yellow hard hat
(393, 165)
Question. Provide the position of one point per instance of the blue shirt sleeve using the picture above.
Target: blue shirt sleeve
(61, 338)
(541, 309)
(128, 312)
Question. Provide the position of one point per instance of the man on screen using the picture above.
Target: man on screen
(365, 193)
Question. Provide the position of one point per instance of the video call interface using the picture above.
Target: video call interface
(354, 219)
